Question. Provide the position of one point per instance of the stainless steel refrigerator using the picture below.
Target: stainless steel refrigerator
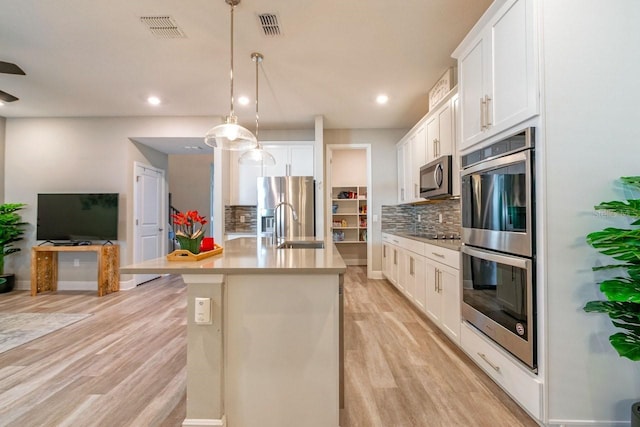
(286, 206)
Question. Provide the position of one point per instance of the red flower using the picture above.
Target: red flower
(185, 224)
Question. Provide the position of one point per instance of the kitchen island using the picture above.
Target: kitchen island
(270, 355)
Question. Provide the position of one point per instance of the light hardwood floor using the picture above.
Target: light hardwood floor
(125, 364)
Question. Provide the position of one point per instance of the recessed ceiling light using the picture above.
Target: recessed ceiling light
(1, 103)
(382, 99)
(153, 100)
(243, 100)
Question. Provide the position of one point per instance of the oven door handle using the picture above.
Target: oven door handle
(499, 162)
(513, 261)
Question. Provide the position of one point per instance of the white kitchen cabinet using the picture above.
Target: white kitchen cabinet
(442, 271)
(392, 258)
(498, 78)
(440, 132)
(411, 155)
(243, 181)
(401, 156)
(291, 160)
(414, 271)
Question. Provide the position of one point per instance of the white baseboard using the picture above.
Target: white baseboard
(588, 423)
(125, 285)
(203, 422)
(376, 274)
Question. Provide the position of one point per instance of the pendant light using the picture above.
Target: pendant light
(257, 156)
(230, 135)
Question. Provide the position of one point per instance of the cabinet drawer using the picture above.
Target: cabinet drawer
(442, 255)
(414, 246)
(524, 386)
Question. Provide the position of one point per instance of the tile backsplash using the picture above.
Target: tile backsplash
(233, 216)
(404, 218)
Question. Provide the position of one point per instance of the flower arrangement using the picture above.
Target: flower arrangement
(189, 229)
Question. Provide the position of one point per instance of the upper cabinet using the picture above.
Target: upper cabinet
(432, 137)
(411, 155)
(291, 159)
(440, 132)
(498, 77)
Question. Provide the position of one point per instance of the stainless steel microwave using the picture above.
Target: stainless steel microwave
(436, 178)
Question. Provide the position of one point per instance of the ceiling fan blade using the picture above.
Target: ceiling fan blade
(9, 68)
(6, 97)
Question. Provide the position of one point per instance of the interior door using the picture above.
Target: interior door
(150, 224)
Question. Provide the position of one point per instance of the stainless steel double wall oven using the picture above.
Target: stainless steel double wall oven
(498, 232)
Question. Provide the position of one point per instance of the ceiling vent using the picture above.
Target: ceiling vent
(269, 22)
(163, 27)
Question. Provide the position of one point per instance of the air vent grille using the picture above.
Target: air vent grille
(163, 27)
(270, 25)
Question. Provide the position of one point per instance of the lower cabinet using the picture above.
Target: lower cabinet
(429, 276)
(443, 297)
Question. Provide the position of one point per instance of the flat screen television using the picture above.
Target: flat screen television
(76, 217)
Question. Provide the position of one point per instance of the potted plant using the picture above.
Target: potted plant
(11, 230)
(623, 290)
(189, 230)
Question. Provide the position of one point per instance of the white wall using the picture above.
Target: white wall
(591, 137)
(190, 183)
(76, 155)
(3, 123)
(383, 173)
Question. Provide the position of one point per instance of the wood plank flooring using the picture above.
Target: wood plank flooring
(125, 364)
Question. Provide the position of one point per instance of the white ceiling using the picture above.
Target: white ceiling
(96, 58)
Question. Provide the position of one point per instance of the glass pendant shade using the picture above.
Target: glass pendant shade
(230, 136)
(257, 157)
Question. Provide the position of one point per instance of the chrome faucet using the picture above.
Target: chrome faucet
(277, 222)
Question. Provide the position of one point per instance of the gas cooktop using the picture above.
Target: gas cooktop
(436, 236)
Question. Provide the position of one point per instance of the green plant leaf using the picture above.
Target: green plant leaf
(625, 311)
(626, 345)
(621, 289)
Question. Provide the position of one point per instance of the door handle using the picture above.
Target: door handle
(483, 104)
(487, 106)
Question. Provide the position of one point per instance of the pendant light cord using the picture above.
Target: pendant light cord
(257, 59)
(231, 71)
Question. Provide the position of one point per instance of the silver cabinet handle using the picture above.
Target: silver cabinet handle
(437, 254)
(482, 111)
(417, 192)
(484, 357)
(488, 112)
(412, 266)
(439, 281)
(435, 280)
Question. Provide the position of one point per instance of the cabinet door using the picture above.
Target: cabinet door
(281, 154)
(419, 158)
(301, 160)
(386, 260)
(400, 157)
(433, 134)
(515, 93)
(243, 187)
(450, 293)
(445, 126)
(472, 70)
(420, 287)
(433, 305)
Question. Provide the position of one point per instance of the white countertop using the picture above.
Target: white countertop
(250, 256)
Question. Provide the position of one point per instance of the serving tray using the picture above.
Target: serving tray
(185, 255)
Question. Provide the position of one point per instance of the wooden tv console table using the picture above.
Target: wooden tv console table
(44, 267)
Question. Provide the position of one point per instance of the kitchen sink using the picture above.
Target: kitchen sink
(301, 244)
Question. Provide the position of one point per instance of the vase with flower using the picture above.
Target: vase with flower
(189, 230)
